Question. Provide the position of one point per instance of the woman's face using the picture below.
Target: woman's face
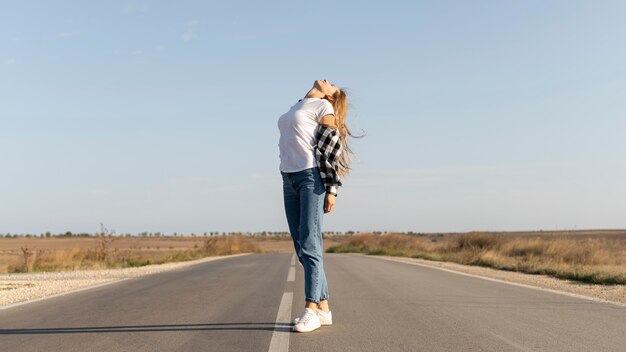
(325, 87)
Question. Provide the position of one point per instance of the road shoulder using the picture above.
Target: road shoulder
(21, 288)
(614, 294)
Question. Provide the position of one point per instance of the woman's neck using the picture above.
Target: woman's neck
(314, 93)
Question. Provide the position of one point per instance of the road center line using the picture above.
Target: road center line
(292, 274)
(282, 328)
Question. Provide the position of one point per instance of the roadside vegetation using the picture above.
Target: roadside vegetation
(589, 256)
(598, 258)
(102, 254)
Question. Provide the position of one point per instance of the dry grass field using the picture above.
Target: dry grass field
(586, 256)
(31, 254)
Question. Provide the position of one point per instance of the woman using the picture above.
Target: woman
(313, 156)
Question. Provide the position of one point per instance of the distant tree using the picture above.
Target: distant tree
(26, 253)
(105, 238)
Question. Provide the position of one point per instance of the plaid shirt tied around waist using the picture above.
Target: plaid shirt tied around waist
(327, 152)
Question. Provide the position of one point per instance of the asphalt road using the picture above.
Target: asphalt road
(233, 304)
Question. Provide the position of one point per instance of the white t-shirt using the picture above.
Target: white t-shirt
(297, 133)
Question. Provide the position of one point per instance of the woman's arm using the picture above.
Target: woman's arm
(328, 120)
(327, 152)
(328, 164)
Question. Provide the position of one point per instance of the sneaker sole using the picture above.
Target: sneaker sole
(306, 330)
(295, 321)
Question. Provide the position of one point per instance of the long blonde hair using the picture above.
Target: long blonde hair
(340, 106)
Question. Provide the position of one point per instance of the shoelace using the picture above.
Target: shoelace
(307, 316)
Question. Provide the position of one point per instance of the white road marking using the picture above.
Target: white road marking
(408, 261)
(292, 274)
(293, 259)
(511, 343)
(280, 336)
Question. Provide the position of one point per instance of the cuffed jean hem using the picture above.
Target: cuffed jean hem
(314, 301)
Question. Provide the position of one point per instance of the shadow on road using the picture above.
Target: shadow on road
(282, 327)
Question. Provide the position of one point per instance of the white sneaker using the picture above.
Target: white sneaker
(308, 321)
(325, 318)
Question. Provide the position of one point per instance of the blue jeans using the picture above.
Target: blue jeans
(304, 193)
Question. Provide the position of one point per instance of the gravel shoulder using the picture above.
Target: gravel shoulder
(24, 287)
(615, 294)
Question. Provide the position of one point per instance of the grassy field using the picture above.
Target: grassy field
(586, 256)
(31, 254)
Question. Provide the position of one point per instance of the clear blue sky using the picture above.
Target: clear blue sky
(161, 115)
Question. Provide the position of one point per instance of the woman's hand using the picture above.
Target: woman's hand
(329, 203)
